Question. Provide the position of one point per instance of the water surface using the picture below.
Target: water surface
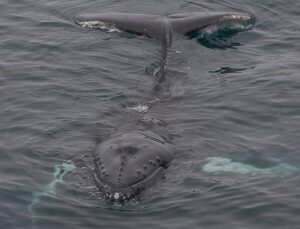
(64, 88)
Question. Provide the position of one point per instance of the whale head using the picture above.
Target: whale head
(129, 163)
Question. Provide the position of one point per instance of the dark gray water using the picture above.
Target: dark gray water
(63, 88)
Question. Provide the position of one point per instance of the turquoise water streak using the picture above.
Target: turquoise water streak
(50, 188)
(232, 106)
(220, 164)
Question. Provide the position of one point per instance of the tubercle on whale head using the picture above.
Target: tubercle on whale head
(120, 194)
(129, 163)
(114, 194)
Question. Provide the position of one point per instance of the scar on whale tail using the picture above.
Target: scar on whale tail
(129, 162)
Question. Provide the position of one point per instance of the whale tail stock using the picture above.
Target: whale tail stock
(158, 27)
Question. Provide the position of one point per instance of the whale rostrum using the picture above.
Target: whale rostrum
(130, 162)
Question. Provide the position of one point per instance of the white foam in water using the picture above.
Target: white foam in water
(143, 107)
(220, 164)
(156, 71)
(117, 196)
(140, 108)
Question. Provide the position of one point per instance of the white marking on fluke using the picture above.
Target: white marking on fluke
(100, 25)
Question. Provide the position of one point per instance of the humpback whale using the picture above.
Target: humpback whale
(127, 163)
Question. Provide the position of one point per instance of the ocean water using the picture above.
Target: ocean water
(63, 89)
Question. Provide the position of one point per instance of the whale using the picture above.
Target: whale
(127, 163)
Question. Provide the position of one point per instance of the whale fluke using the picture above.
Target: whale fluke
(160, 27)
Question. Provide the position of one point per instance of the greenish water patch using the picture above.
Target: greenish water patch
(221, 164)
(50, 189)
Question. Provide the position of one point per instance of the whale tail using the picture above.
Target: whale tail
(154, 26)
